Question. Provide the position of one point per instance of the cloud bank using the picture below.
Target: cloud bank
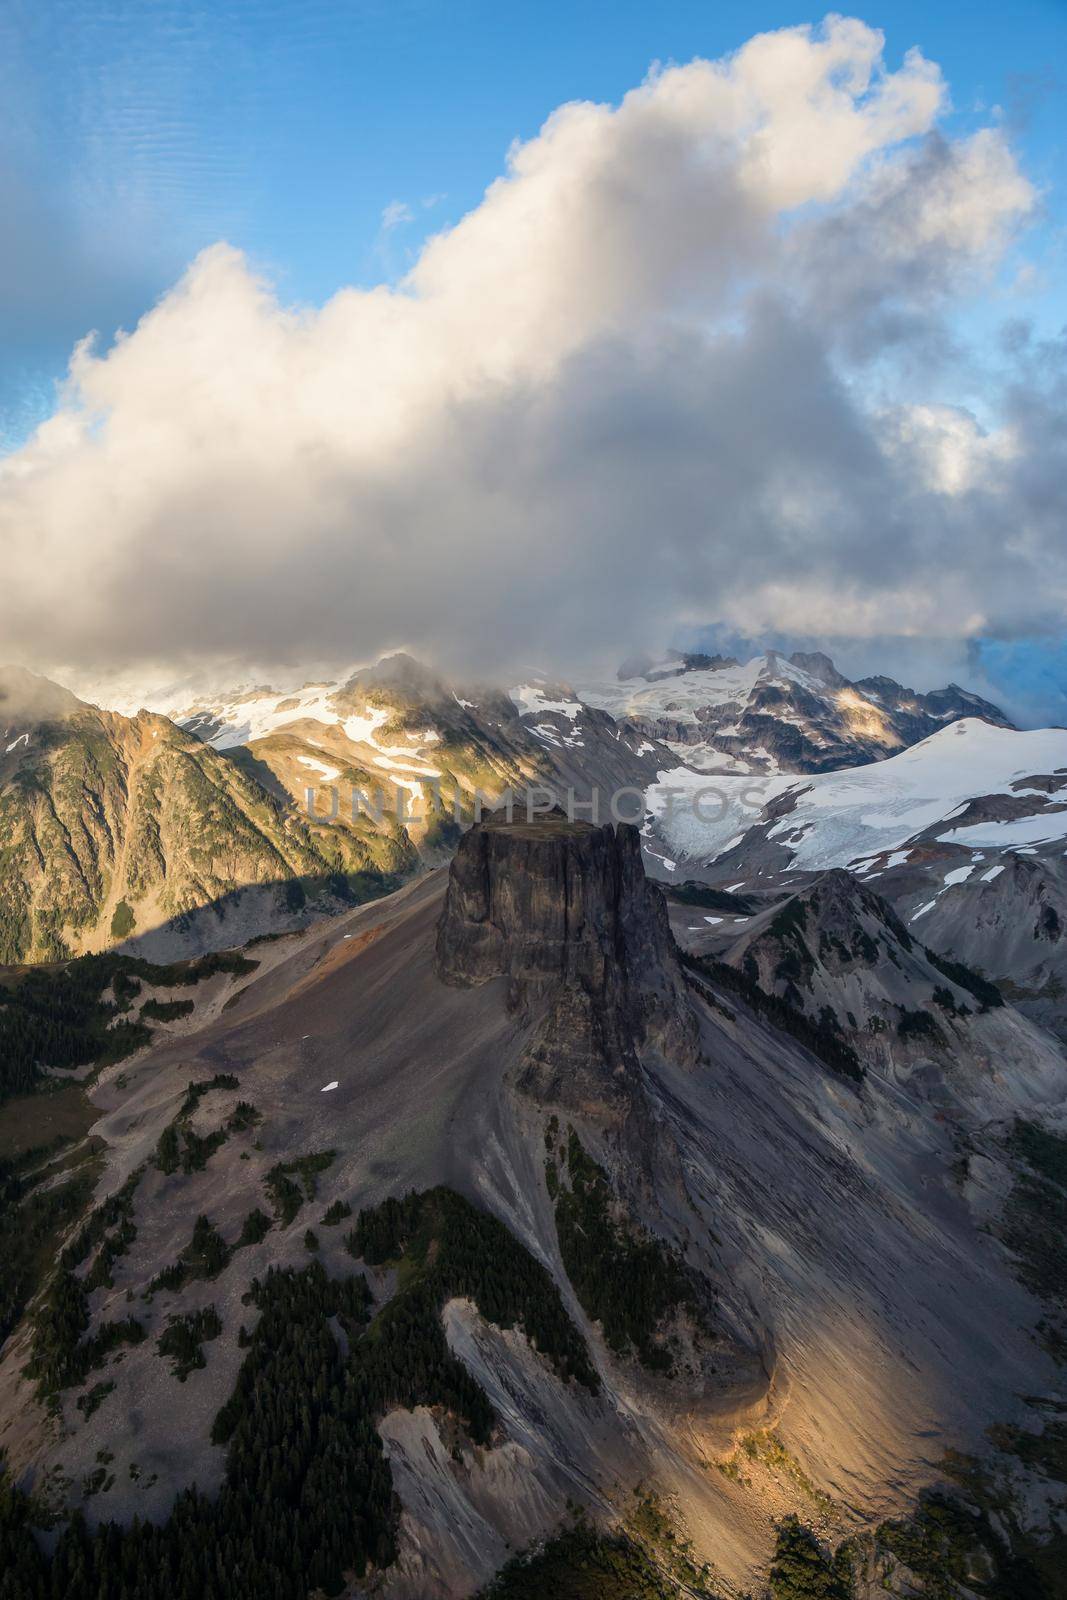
(691, 357)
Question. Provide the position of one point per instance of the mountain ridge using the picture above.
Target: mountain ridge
(777, 713)
(764, 1266)
(251, 818)
(113, 826)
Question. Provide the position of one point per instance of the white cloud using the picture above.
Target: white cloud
(947, 451)
(626, 390)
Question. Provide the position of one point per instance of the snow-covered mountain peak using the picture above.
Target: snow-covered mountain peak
(776, 713)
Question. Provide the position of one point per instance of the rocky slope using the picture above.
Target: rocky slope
(115, 828)
(1006, 914)
(964, 835)
(586, 1227)
(836, 952)
(777, 713)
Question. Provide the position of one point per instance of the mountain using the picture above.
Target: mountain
(1009, 918)
(27, 700)
(483, 1220)
(964, 834)
(115, 827)
(776, 713)
(399, 727)
(836, 952)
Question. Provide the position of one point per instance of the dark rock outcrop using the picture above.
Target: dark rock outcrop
(564, 911)
(818, 664)
(547, 900)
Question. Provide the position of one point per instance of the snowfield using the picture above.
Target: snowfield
(683, 696)
(1045, 828)
(851, 818)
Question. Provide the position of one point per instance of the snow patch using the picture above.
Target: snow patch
(1042, 828)
(531, 698)
(328, 773)
(361, 729)
(406, 765)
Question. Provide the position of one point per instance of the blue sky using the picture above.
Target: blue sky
(327, 139)
(138, 131)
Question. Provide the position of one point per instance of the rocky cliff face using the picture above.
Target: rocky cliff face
(1009, 919)
(799, 1296)
(547, 900)
(564, 911)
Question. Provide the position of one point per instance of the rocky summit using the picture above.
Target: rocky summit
(564, 912)
(546, 901)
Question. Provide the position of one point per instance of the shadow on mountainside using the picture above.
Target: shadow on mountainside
(256, 911)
